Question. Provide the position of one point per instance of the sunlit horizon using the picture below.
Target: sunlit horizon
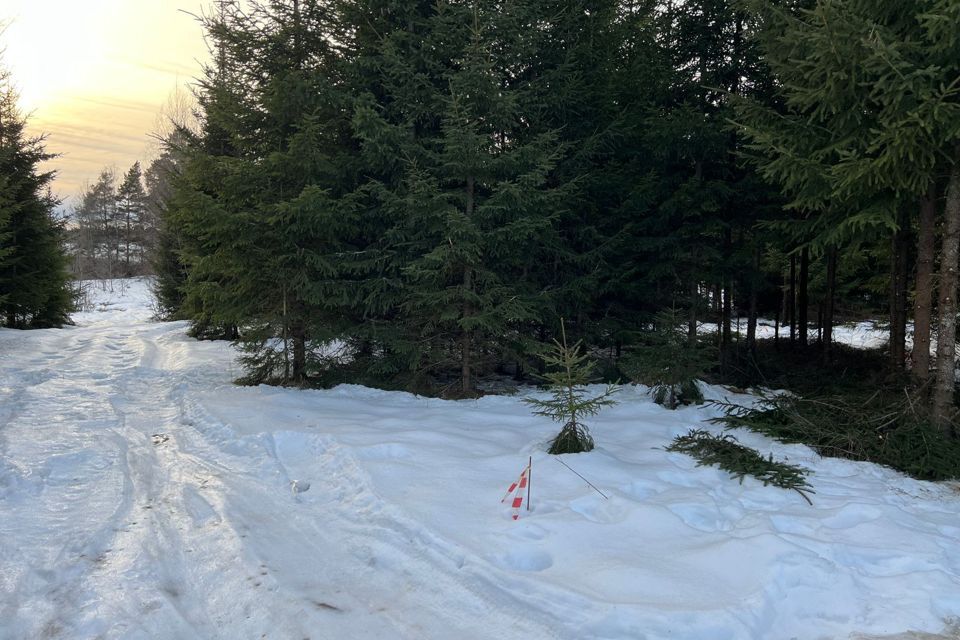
(95, 76)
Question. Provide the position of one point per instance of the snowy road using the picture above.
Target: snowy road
(125, 515)
(142, 495)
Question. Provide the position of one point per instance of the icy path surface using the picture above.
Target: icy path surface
(144, 496)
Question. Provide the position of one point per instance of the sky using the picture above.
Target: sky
(95, 75)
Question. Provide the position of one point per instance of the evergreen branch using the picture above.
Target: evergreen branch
(725, 452)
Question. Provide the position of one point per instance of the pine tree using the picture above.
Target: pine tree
(131, 213)
(96, 238)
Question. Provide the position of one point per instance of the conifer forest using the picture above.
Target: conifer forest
(412, 195)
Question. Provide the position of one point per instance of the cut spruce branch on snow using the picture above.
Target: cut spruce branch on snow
(725, 452)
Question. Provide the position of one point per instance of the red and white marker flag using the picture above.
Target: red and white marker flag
(517, 489)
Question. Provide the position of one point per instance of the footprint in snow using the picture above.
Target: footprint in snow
(527, 531)
(599, 510)
(526, 560)
(701, 518)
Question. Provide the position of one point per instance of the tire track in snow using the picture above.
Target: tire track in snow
(97, 548)
(196, 534)
(70, 481)
(394, 563)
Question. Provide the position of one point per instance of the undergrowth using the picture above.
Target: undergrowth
(806, 371)
(888, 426)
(664, 360)
(725, 452)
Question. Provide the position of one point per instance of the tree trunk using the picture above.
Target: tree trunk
(792, 301)
(126, 247)
(718, 310)
(898, 291)
(298, 334)
(754, 293)
(692, 320)
(776, 330)
(802, 300)
(466, 364)
(828, 301)
(726, 315)
(923, 302)
(820, 323)
(466, 339)
(726, 285)
(286, 340)
(784, 287)
(943, 407)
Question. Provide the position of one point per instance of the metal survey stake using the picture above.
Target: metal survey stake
(529, 479)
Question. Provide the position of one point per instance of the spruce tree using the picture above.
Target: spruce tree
(870, 124)
(474, 210)
(7, 250)
(257, 199)
(34, 290)
(164, 237)
(669, 363)
(570, 404)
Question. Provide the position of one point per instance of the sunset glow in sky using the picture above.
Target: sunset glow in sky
(95, 74)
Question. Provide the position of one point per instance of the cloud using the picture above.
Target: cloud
(95, 75)
(119, 103)
(171, 68)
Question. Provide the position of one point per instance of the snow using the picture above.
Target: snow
(142, 495)
(866, 334)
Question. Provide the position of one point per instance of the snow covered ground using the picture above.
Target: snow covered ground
(862, 335)
(142, 495)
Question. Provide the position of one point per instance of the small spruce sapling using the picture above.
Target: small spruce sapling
(667, 362)
(571, 371)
